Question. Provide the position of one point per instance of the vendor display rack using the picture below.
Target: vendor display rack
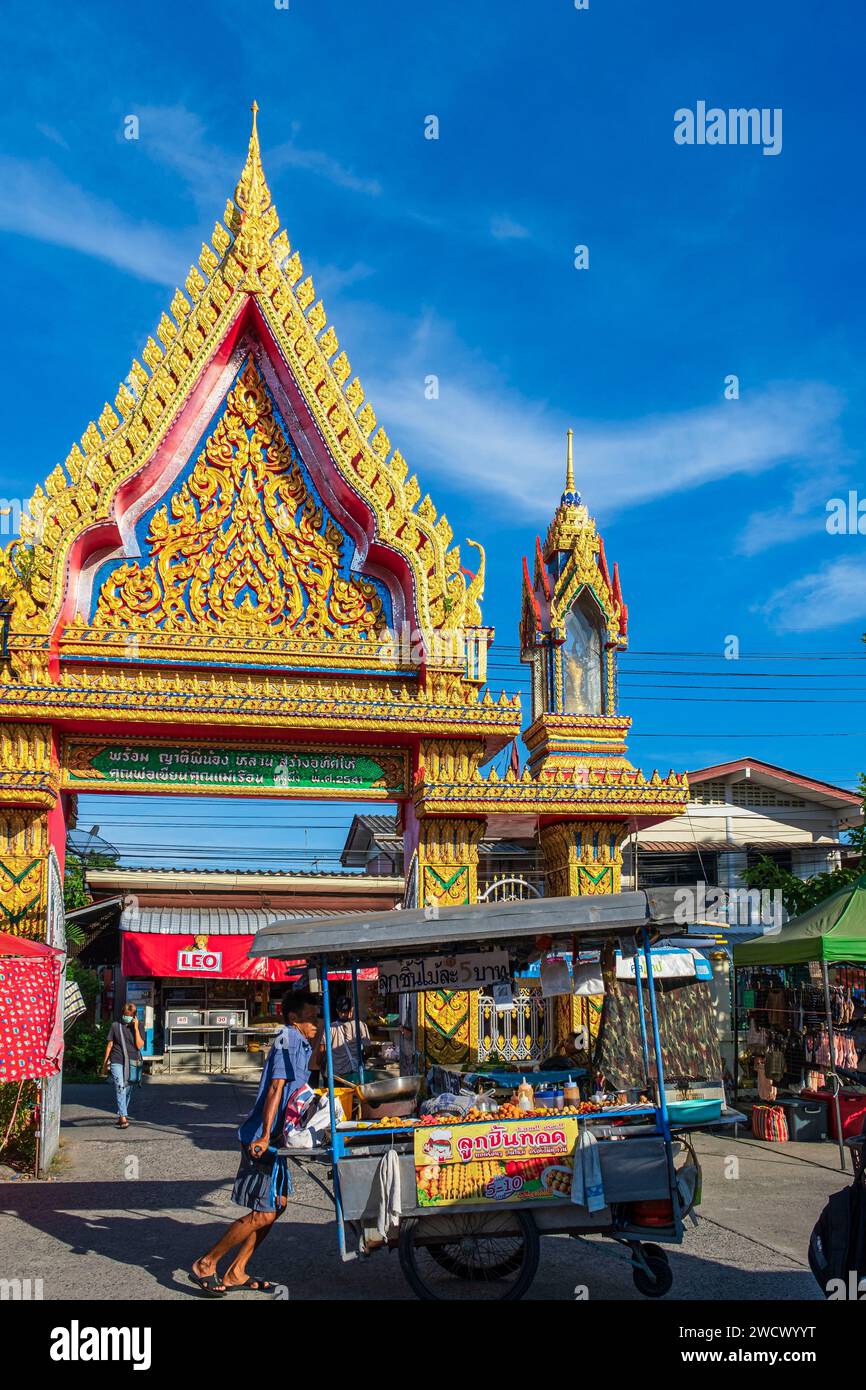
(487, 1246)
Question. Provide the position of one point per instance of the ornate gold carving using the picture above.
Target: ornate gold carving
(245, 259)
(582, 857)
(450, 761)
(248, 551)
(208, 697)
(448, 860)
(24, 843)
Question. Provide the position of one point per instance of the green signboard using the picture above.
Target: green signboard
(243, 768)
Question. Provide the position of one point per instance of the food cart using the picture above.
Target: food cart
(465, 1198)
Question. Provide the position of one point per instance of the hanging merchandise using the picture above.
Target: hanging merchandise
(555, 977)
(31, 1026)
(587, 978)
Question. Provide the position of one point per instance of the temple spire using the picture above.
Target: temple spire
(571, 495)
(252, 194)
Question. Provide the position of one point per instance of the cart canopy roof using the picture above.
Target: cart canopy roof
(379, 935)
(833, 931)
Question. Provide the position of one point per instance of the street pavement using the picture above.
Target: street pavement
(128, 1212)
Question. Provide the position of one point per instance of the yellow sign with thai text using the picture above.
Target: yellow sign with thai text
(504, 1161)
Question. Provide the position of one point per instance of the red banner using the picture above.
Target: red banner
(210, 958)
(31, 1038)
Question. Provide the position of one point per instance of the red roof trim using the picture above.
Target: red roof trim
(542, 569)
(705, 774)
(530, 593)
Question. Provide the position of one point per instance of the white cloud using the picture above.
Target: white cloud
(53, 135)
(37, 201)
(293, 156)
(504, 228)
(829, 597)
(481, 434)
(331, 279)
(176, 139)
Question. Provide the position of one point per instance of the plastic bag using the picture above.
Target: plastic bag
(555, 976)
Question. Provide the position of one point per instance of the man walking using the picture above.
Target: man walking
(263, 1183)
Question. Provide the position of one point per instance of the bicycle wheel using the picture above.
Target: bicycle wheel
(490, 1263)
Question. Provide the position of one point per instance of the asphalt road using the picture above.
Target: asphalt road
(129, 1210)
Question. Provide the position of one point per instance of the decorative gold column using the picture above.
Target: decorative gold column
(29, 781)
(448, 860)
(448, 870)
(24, 843)
(582, 857)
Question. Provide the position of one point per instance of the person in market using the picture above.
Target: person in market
(344, 1039)
(263, 1183)
(123, 1058)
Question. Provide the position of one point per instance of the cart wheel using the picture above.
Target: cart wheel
(660, 1279)
(497, 1267)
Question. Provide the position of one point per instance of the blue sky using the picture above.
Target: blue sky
(455, 257)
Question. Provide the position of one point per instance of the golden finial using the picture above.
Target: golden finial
(571, 497)
(252, 194)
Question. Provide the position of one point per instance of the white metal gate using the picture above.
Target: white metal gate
(509, 890)
(511, 1032)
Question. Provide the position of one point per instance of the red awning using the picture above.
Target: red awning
(220, 958)
(20, 946)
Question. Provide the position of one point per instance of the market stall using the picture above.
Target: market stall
(463, 1185)
(792, 1026)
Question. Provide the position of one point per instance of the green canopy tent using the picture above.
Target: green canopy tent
(833, 932)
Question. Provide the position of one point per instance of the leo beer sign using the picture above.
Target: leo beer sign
(200, 961)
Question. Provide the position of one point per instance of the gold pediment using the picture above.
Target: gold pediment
(249, 264)
(242, 547)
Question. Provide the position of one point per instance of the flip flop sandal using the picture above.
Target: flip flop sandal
(210, 1284)
(252, 1285)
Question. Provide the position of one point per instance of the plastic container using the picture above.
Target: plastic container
(652, 1213)
(695, 1112)
(852, 1108)
(549, 1098)
(571, 1093)
(807, 1119)
(525, 1096)
(344, 1095)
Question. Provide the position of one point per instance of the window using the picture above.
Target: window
(749, 793)
(669, 870)
(709, 793)
(782, 858)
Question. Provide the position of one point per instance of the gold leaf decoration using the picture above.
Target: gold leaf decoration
(354, 393)
(306, 293)
(108, 420)
(246, 550)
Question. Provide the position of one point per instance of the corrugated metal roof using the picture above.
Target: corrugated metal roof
(212, 921)
(730, 846)
(686, 847)
(238, 873)
(387, 935)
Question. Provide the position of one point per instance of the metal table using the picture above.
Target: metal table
(266, 1035)
(220, 1028)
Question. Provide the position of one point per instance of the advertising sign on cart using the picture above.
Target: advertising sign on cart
(504, 1161)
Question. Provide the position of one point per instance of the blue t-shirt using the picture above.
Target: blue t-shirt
(289, 1061)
